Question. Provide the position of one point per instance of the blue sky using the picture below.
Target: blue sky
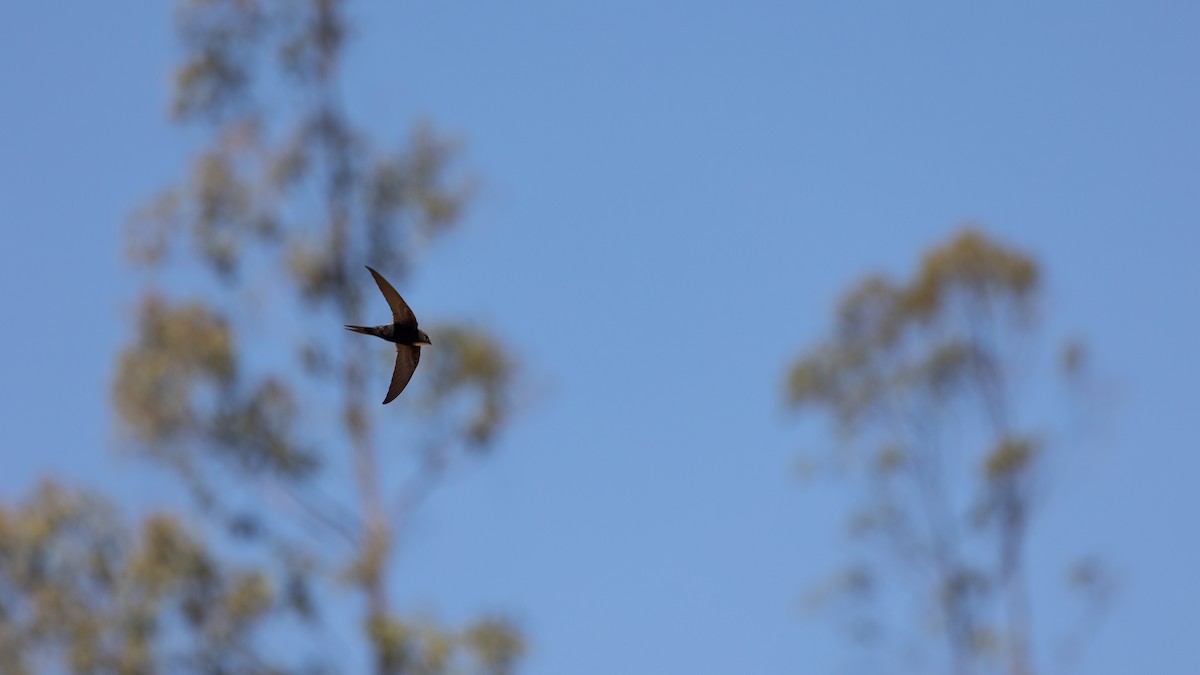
(702, 178)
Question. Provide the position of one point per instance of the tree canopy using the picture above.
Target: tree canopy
(926, 383)
(238, 378)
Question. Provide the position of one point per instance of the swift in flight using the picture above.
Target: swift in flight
(403, 331)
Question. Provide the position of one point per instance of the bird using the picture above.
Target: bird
(403, 331)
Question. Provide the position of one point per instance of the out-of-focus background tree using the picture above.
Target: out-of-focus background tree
(271, 422)
(934, 391)
(665, 202)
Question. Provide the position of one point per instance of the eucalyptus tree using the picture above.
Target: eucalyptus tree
(238, 375)
(946, 411)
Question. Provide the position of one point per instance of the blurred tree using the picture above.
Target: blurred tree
(79, 590)
(929, 387)
(247, 387)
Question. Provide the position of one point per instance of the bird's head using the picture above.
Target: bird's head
(423, 338)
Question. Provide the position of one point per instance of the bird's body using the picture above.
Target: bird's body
(401, 335)
(403, 331)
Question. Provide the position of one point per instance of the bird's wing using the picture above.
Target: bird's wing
(407, 358)
(400, 311)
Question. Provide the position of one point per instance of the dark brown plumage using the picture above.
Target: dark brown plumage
(402, 331)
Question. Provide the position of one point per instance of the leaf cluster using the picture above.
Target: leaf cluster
(79, 588)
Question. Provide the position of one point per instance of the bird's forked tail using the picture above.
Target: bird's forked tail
(365, 330)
